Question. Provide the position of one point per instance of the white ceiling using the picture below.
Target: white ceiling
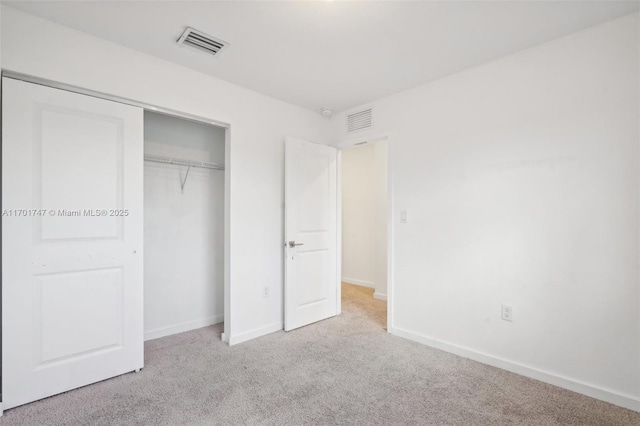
(331, 54)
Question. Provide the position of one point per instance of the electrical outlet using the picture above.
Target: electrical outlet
(265, 291)
(507, 313)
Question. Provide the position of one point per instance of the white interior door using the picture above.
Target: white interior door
(311, 280)
(72, 302)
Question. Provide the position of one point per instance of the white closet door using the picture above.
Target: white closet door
(72, 302)
(311, 280)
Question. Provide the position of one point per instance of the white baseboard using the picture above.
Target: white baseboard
(363, 283)
(256, 332)
(182, 327)
(613, 397)
(379, 296)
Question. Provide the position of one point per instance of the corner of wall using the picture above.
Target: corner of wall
(255, 333)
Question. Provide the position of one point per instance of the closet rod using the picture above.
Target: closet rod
(182, 162)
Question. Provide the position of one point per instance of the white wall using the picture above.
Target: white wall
(183, 229)
(259, 125)
(520, 178)
(364, 216)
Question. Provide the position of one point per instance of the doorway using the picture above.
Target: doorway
(365, 201)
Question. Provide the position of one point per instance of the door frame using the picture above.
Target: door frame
(350, 143)
(175, 113)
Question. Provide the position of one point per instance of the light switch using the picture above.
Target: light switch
(403, 216)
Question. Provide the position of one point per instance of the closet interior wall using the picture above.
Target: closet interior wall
(183, 226)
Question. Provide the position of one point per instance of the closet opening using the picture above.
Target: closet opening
(128, 250)
(184, 225)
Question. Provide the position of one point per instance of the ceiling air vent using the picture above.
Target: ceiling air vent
(201, 41)
(360, 120)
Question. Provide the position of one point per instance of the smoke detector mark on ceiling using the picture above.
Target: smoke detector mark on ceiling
(201, 41)
(360, 120)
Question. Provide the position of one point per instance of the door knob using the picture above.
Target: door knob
(293, 244)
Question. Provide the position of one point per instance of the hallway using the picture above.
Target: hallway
(359, 301)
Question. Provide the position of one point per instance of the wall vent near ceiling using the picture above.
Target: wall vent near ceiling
(201, 41)
(360, 120)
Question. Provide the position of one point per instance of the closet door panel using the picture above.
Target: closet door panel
(72, 305)
(95, 143)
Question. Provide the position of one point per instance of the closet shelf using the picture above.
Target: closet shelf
(182, 162)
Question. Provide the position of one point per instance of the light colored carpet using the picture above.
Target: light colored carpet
(345, 370)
